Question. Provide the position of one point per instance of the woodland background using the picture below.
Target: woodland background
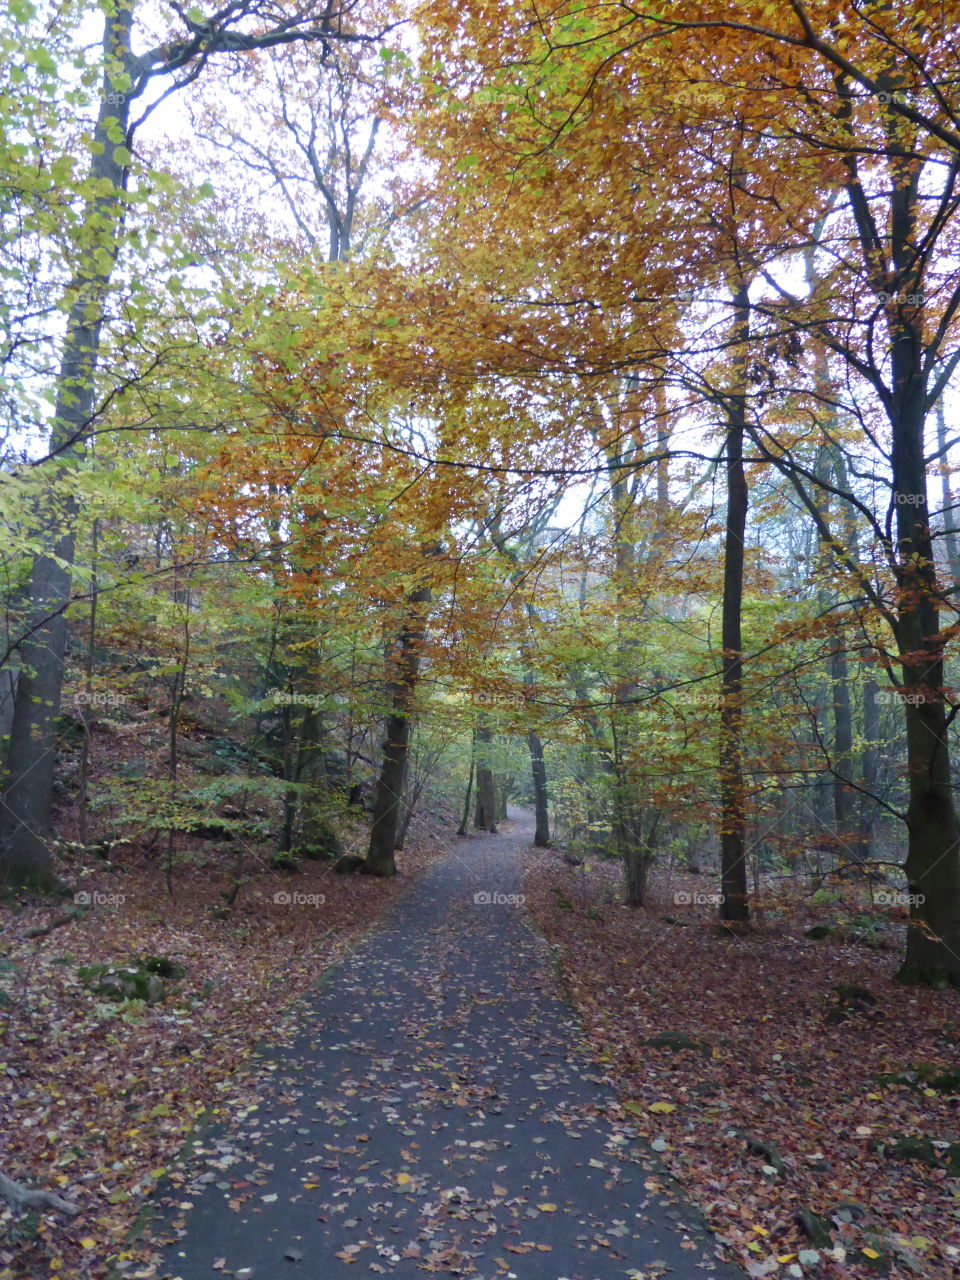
(408, 409)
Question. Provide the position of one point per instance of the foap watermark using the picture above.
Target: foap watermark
(94, 898)
(485, 699)
(902, 698)
(98, 698)
(286, 698)
(909, 499)
(692, 698)
(894, 898)
(485, 899)
(902, 299)
(283, 898)
(696, 898)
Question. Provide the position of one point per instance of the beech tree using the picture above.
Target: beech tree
(181, 52)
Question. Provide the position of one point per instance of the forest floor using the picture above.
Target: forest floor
(776, 1075)
(97, 1095)
(435, 1110)
(797, 1077)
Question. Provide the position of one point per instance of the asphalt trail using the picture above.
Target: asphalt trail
(436, 1112)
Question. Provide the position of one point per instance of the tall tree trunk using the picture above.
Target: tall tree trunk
(83, 780)
(863, 804)
(733, 852)
(28, 784)
(504, 784)
(869, 773)
(541, 804)
(844, 799)
(639, 859)
(933, 863)
(465, 817)
(627, 823)
(380, 860)
(949, 515)
(485, 817)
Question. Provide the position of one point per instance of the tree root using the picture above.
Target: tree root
(22, 1197)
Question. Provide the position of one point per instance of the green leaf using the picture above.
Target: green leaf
(22, 10)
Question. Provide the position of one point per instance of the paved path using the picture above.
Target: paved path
(437, 1113)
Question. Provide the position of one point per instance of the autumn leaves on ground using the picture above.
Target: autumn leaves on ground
(103, 1088)
(779, 1078)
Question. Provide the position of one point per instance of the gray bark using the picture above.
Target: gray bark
(405, 669)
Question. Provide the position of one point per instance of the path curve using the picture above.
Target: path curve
(437, 1113)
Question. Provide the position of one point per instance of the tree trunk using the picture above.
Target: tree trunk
(538, 770)
(465, 817)
(733, 856)
(949, 516)
(869, 773)
(380, 859)
(637, 861)
(28, 784)
(83, 781)
(485, 817)
(932, 864)
(844, 799)
(504, 789)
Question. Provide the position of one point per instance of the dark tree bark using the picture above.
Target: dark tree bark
(485, 817)
(465, 817)
(541, 804)
(733, 853)
(932, 864)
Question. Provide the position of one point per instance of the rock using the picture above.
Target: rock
(349, 864)
(851, 999)
(757, 1147)
(118, 983)
(908, 1148)
(212, 831)
(285, 862)
(818, 931)
(153, 989)
(849, 1211)
(162, 966)
(320, 843)
(853, 996)
(815, 1228)
(878, 1264)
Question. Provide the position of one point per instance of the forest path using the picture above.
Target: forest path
(437, 1112)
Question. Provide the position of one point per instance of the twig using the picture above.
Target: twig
(68, 917)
